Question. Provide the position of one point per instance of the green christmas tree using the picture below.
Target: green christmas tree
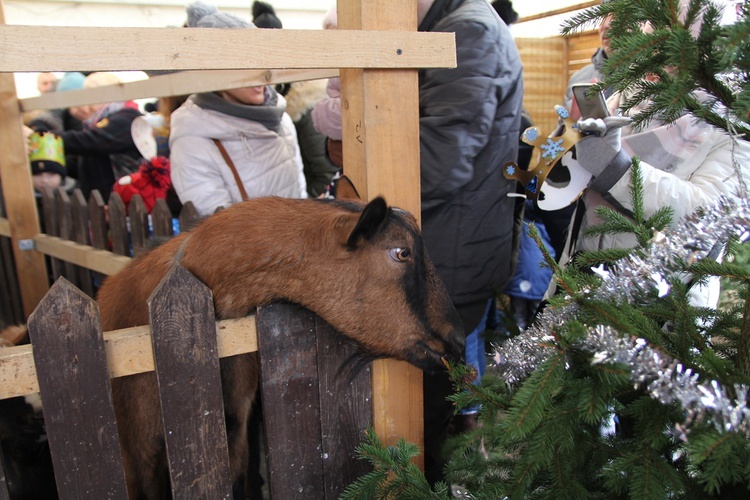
(621, 388)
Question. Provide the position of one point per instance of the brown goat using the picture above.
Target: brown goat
(361, 268)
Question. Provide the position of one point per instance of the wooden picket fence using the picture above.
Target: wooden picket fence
(315, 411)
(124, 231)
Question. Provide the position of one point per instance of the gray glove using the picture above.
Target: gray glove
(602, 145)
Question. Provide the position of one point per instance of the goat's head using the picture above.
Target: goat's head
(387, 295)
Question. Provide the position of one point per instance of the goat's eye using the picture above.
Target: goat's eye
(400, 254)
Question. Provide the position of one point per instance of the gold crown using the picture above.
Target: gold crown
(546, 154)
(46, 147)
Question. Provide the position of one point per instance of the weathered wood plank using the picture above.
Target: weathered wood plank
(188, 216)
(65, 228)
(52, 228)
(139, 231)
(100, 237)
(128, 352)
(186, 355)
(118, 225)
(101, 261)
(289, 393)
(161, 219)
(65, 331)
(181, 83)
(98, 217)
(80, 215)
(346, 409)
(118, 49)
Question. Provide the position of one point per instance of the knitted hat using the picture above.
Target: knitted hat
(201, 15)
(504, 9)
(264, 15)
(46, 153)
(71, 81)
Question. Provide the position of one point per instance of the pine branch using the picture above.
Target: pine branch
(394, 475)
(743, 344)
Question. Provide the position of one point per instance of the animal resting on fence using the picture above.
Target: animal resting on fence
(362, 268)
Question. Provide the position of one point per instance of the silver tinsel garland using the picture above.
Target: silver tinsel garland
(634, 279)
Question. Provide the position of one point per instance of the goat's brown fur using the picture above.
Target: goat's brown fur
(337, 259)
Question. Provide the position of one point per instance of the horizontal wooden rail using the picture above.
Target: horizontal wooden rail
(557, 12)
(128, 352)
(55, 48)
(181, 83)
(101, 261)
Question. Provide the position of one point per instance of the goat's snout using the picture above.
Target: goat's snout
(455, 347)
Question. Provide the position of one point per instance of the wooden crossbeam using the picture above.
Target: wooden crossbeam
(56, 48)
(128, 352)
(85, 256)
(180, 83)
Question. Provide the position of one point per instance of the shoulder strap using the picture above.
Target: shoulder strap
(227, 159)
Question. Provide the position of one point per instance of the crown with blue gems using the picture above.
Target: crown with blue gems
(546, 154)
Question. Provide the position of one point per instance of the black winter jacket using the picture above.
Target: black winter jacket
(469, 124)
(105, 148)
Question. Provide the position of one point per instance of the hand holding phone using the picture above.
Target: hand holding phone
(594, 107)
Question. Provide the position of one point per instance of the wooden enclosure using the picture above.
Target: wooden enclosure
(377, 53)
(548, 63)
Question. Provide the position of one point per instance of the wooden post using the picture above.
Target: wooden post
(18, 191)
(380, 125)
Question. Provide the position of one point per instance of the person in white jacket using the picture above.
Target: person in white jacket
(259, 138)
(687, 165)
(252, 126)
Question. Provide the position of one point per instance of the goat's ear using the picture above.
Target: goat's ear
(369, 223)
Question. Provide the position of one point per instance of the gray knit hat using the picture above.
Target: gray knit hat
(201, 15)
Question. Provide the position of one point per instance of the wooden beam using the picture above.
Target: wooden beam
(85, 256)
(128, 352)
(4, 227)
(55, 48)
(18, 192)
(562, 10)
(380, 127)
(180, 83)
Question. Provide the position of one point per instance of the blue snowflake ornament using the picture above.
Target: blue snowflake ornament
(552, 149)
(530, 134)
(562, 112)
(510, 169)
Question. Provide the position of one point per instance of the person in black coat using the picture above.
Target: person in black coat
(470, 119)
(105, 144)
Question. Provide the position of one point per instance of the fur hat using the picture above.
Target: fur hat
(264, 15)
(201, 15)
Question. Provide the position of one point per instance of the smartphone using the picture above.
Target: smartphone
(594, 107)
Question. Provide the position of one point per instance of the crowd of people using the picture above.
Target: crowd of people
(231, 145)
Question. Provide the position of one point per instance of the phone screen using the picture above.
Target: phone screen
(595, 107)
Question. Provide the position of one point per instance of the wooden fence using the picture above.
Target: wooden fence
(72, 224)
(313, 416)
